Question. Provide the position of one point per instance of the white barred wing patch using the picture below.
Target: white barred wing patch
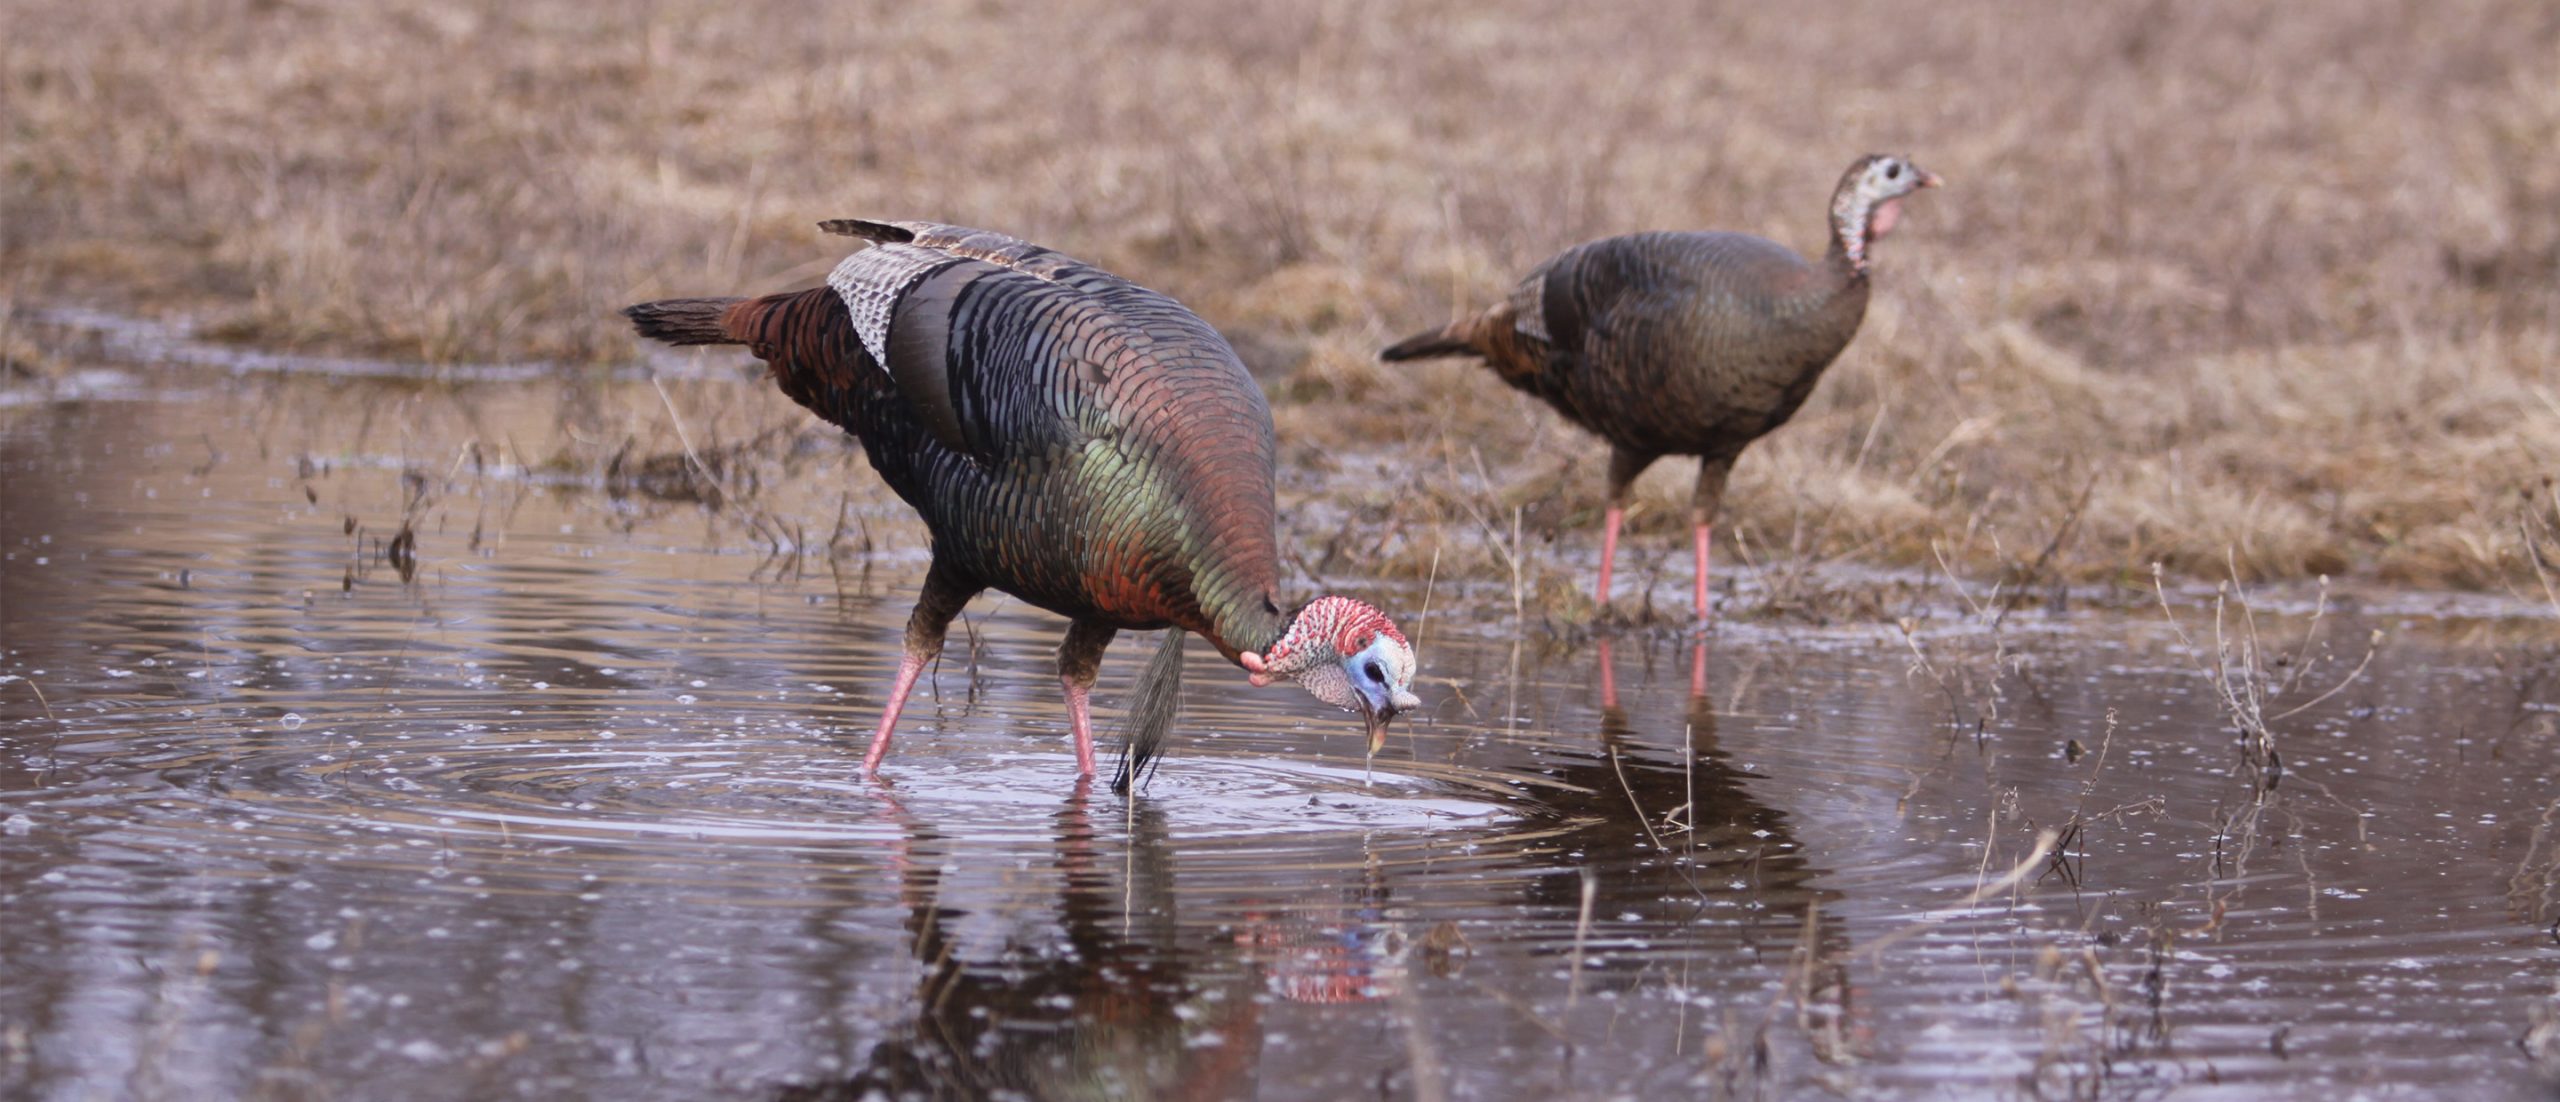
(872, 281)
(1529, 308)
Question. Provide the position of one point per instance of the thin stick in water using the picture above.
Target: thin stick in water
(1581, 931)
(699, 471)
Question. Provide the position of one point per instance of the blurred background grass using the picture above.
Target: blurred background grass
(2221, 286)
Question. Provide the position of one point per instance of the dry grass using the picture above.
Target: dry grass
(2272, 282)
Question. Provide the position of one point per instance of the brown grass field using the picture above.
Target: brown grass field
(2269, 286)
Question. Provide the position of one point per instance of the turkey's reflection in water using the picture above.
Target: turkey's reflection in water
(571, 810)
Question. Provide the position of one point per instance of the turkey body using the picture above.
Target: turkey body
(1069, 437)
(1672, 343)
(1678, 343)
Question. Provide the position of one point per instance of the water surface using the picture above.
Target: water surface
(351, 748)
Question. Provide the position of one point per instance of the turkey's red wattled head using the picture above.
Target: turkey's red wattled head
(1346, 654)
(1869, 202)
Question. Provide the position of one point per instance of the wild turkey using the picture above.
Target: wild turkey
(1683, 343)
(1071, 438)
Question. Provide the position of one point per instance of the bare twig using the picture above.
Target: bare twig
(1581, 932)
(2045, 840)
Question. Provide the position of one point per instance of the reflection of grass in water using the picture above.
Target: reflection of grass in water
(2248, 679)
(2107, 1016)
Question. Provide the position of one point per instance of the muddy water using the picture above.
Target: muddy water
(553, 796)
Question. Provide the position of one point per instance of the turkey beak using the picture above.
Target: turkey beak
(1931, 179)
(1397, 704)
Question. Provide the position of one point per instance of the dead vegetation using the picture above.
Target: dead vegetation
(2214, 287)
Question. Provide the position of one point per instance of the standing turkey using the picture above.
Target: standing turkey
(1683, 343)
(1071, 438)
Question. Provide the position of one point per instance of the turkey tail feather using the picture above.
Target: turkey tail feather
(868, 230)
(683, 320)
(1151, 711)
(1447, 341)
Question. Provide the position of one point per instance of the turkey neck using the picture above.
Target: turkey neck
(1852, 221)
(1242, 619)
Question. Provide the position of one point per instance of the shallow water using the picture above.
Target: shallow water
(555, 798)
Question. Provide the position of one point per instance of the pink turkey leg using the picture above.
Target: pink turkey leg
(1608, 676)
(908, 669)
(1705, 536)
(1080, 717)
(1698, 658)
(1608, 551)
